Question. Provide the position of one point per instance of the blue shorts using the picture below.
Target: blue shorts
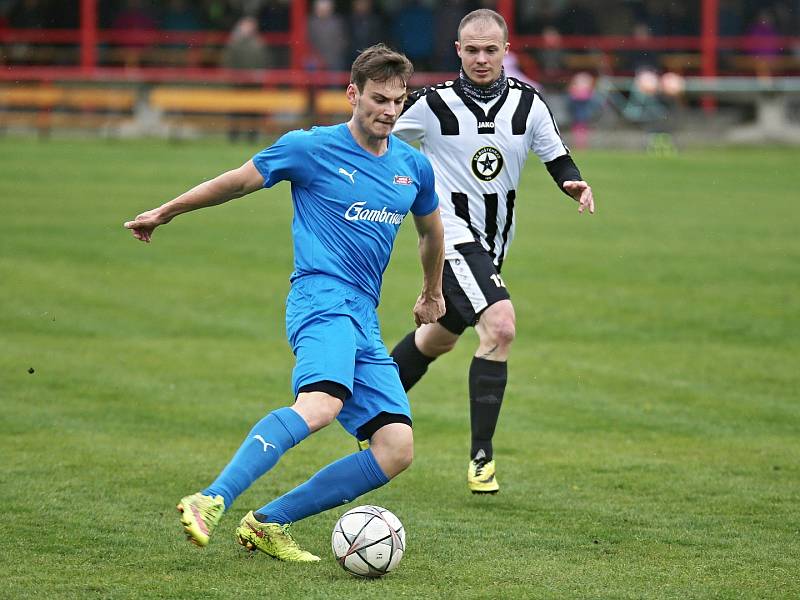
(334, 333)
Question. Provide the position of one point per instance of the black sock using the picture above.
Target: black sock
(413, 363)
(487, 383)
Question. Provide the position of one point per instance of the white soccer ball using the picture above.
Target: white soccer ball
(368, 541)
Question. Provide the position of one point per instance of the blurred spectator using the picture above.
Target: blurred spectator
(413, 33)
(244, 49)
(366, 27)
(133, 19)
(583, 105)
(640, 58)
(651, 107)
(550, 58)
(447, 16)
(672, 87)
(327, 34)
(762, 43)
(644, 105)
(762, 35)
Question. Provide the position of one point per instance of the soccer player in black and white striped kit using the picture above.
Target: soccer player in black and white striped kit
(477, 132)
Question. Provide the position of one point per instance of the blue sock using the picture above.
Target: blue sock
(337, 484)
(265, 444)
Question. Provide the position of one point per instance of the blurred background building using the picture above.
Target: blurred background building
(732, 67)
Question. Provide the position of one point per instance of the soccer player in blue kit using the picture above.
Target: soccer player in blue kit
(352, 186)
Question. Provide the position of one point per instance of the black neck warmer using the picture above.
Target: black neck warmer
(483, 94)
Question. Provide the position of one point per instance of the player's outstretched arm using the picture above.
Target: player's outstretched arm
(582, 194)
(232, 184)
(430, 304)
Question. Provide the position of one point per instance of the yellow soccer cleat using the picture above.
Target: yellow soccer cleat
(272, 539)
(481, 478)
(199, 516)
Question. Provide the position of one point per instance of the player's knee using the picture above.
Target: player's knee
(318, 409)
(324, 417)
(503, 332)
(405, 454)
(393, 447)
(402, 455)
(498, 332)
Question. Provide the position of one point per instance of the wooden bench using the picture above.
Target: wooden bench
(156, 56)
(766, 66)
(596, 62)
(683, 63)
(230, 109)
(331, 105)
(46, 106)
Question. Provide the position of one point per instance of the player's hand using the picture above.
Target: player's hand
(428, 309)
(582, 194)
(143, 225)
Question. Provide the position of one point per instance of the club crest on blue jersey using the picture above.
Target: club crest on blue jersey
(487, 163)
(403, 180)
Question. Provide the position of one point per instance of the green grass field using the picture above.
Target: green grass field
(649, 445)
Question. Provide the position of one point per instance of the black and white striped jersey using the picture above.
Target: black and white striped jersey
(478, 151)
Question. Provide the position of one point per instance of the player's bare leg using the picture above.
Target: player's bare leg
(488, 375)
(393, 447)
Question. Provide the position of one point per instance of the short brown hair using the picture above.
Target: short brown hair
(380, 63)
(484, 14)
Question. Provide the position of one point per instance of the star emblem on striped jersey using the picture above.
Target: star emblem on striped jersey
(487, 163)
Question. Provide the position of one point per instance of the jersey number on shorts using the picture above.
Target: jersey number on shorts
(498, 281)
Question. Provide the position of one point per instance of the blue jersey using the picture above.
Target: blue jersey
(348, 203)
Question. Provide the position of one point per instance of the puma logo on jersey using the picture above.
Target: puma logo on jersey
(350, 175)
(267, 445)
